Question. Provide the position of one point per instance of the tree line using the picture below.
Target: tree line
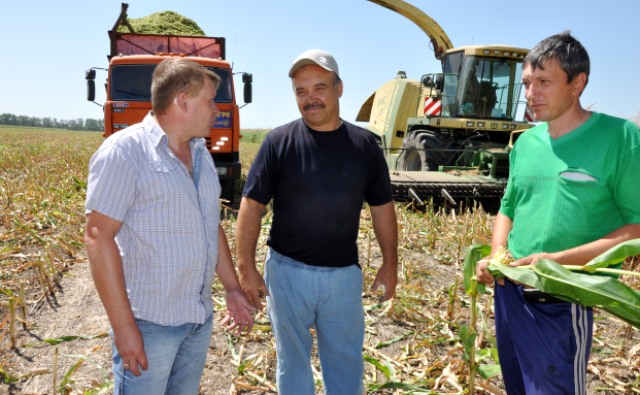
(95, 125)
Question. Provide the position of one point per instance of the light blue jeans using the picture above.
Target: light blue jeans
(176, 356)
(327, 299)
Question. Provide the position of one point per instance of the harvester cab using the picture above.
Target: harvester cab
(446, 136)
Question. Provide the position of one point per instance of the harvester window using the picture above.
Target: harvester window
(449, 90)
(488, 87)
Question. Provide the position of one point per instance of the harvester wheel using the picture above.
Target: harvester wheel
(424, 150)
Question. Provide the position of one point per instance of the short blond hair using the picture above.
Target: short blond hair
(175, 75)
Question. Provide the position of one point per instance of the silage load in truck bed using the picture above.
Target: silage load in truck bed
(166, 22)
(164, 32)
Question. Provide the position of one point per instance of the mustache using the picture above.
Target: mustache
(313, 105)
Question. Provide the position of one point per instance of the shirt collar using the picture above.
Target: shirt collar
(157, 136)
(155, 132)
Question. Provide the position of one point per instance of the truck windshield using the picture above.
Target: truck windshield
(478, 87)
(132, 82)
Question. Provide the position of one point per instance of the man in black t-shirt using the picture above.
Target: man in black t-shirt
(319, 171)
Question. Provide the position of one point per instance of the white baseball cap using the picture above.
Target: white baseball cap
(315, 56)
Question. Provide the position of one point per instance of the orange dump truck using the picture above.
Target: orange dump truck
(132, 60)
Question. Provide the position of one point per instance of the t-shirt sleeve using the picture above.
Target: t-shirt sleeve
(111, 184)
(379, 191)
(261, 178)
(627, 188)
(507, 202)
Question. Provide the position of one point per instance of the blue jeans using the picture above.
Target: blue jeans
(176, 356)
(327, 299)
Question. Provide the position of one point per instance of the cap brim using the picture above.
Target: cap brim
(305, 62)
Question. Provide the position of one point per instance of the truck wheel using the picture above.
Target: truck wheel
(424, 150)
(228, 192)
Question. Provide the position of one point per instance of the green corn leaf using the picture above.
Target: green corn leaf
(7, 378)
(468, 338)
(488, 371)
(474, 254)
(62, 339)
(406, 387)
(603, 292)
(578, 285)
(614, 255)
(389, 342)
(385, 368)
(68, 377)
(522, 275)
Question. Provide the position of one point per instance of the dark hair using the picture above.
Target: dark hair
(563, 47)
(337, 80)
(175, 75)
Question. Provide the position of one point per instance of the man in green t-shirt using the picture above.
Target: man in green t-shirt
(572, 194)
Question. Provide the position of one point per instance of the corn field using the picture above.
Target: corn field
(413, 344)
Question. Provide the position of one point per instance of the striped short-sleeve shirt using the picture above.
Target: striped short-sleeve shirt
(169, 233)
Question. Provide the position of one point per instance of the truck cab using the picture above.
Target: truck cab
(132, 59)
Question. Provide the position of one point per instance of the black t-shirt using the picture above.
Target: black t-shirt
(318, 182)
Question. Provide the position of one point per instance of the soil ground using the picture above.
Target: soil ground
(82, 362)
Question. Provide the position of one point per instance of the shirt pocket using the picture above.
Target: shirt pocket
(581, 187)
(163, 182)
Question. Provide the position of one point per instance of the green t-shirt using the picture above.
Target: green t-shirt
(572, 190)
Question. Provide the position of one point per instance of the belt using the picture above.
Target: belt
(536, 296)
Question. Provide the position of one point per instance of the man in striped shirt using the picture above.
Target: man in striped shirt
(154, 238)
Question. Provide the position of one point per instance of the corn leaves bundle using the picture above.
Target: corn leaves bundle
(576, 284)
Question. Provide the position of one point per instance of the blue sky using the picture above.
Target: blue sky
(47, 46)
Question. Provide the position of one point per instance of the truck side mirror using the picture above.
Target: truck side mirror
(91, 90)
(90, 76)
(247, 79)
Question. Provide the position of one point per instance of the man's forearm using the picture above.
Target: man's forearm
(501, 227)
(108, 275)
(582, 254)
(247, 233)
(385, 227)
(224, 269)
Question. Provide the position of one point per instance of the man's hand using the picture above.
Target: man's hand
(131, 348)
(387, 277)
(531, 259)
(483, 275)
(254, 287)
(385, 227)
(239, 312)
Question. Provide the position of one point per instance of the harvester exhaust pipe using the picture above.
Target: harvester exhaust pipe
(448, 197)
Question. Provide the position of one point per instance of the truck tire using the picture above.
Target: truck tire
(425, 150)
(228, 192)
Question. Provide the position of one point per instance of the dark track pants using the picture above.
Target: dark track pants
(543, 347)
